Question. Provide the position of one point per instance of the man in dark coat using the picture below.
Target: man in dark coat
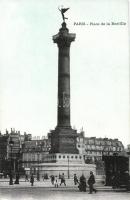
(82, 184)
(17, 179)
(75, 179)
(63, 179)
(52, 179)
(32, 179)
(91, 181)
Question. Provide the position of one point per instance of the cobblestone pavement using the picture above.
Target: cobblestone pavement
(59, 194)
(46, 191)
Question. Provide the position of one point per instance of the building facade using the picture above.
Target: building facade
(94, 148)
(3, 151)
(27, 151)
(33, 152)
(11, 150)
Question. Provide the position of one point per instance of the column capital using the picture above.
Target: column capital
(64, 38)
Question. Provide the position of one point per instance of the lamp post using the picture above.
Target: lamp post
(11, 143)
(68, 168)
(17, 169)
(38, 176)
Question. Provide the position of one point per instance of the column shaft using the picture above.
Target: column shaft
(63, 87)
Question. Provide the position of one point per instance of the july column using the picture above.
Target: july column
(63, 40)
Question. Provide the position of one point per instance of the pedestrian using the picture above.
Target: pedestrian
(63, 179)
(75, 179)
(91, 181)
(52, 179)
(32, 179)
(17, 178)
(82, 184)
(26, 177)
(56, 181)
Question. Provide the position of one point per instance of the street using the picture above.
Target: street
(35, 193)
(46, 191)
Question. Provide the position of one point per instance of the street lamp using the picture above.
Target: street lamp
(68, 168)
(11, 143)
(38, 176)
(17, 169)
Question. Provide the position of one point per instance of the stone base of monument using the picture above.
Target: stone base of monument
(69, 164)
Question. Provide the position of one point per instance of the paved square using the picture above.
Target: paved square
(59, 194)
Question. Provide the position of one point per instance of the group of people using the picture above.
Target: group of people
(83, 183)
(55, 180)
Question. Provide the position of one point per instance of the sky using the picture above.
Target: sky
(99, 64)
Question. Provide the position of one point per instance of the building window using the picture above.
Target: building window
(93, 147)
(71, 156)
(59, 156)
(76, 157)
(63, 156)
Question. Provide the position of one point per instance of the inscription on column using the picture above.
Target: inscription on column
(64, 101)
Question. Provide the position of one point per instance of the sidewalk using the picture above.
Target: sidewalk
(4, 184)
